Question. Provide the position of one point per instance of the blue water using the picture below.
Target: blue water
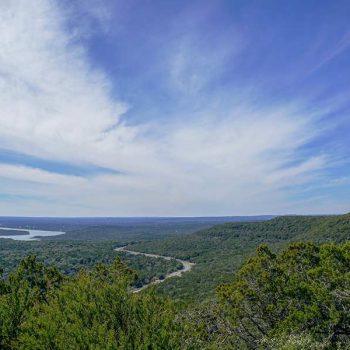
(34, 235)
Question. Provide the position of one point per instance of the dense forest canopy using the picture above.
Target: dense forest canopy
(297, 299)
(221, 250)
(70, 256)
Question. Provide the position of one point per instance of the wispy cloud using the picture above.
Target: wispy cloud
(56, 107)
(92, 15)
(192, 67)
(340, 47)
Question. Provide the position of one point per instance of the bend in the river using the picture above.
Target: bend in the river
(187, 266)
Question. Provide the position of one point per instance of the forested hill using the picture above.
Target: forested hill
(222, 249)
(332, 228)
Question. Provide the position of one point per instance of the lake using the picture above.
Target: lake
(34, 235)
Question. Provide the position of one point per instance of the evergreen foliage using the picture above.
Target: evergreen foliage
(305, 288)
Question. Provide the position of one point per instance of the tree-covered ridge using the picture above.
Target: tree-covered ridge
(296, 299)
(195, 245)
(333, 228)
(220, 251)
(303, 290)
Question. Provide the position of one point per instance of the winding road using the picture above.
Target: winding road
(187, 266)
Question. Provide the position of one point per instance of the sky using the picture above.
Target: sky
(174, 107)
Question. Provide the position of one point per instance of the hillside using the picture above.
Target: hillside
(222, 249)
(332, 228)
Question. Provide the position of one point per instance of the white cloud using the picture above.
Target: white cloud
(192, 67)
(51, 100)
(342, 45)
(29, 174)
(55, 106)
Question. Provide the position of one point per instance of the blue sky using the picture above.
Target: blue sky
(174, 108)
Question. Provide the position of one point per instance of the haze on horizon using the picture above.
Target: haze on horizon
(174, 108)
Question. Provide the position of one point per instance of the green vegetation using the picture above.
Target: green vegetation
(303, 290)
(42, 309)
(296, 299)
(127, 233)
(282, 284)
(120, 228)
(70, 256)
(220, 251)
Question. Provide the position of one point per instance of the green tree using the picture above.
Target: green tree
(304, 288)
(96, 310)
(30, 284)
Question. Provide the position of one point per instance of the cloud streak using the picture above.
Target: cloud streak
(56, 107)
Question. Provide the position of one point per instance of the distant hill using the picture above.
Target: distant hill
(122, 229)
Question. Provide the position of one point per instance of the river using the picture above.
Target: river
(187, 266)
